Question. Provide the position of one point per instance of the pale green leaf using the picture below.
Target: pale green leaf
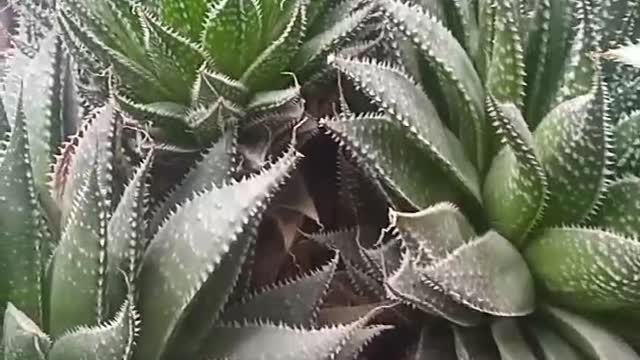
(23, 339)
(510, 340)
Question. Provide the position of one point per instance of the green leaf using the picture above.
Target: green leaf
(573, 144)
(231, 34)
(581, 62)
(23, 339)
(206, 261)
(294, 302)
(358, 340)
(185, 17)
(586, 269)
(408, 165)
(515, 188)
(503, 270)
(267, 341)
(276, 57)
(620, 210)
(23, 231)
(506, 73)
(125, 237)
(213, 170)
(173, 59)
(551, 345)
(510, 340)
(314, 50)
(433, 233)
(266, 101)
(210, 86)
(627, 144)
(413, 287)
(113, 340)
(443, 51)
(78, 281)
(592, 340)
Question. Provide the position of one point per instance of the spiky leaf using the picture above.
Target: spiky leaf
(586, 268)
(113, 340)
(23, 232)
(573, 145)
(202, 246)
(515, 188)
(23, 339)
(294, 302)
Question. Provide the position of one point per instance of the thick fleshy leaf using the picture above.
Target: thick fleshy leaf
(506, 74)
(515, 188)
(592, 340)
(403, 160)
(272, 342)
(441, 49)
(358, 340)
(78, 281)
(213, 170)
(551, 345)
(581, 64)
(550, 64)
(199, 251)
(587, 269)
(511, 341)
(209, 86)
(186, 17)
(173, 59)
(23, 339)
(232, 47)
(41, 76)
(409, 106)
(23, 232)
(434, 233)
(93, 145)
(474, 343)
(503, 270)
(413, 287)
(125, 238)
(276, 57)
(113, 340)
(627, 144)
(573, 143)
(294, 302)
(318, 47)
(620, 211)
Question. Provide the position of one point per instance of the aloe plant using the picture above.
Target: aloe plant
(510, 172)
(193, 69)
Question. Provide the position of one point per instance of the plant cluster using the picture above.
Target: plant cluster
(488, 164)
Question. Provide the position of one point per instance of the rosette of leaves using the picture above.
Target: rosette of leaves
(96, 282)
(510, 177)
(193, 69)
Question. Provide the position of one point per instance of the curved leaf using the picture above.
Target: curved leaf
(200, 247)
(627, 144)
(551, 345)
(23, 339)
(474, 343)
(503, 270)
(441, 49)
(592, 340)
(587, 269)
(402, 160)
(23, 231)
(620, 211)
(515, 188)
(294, 302)
(111, 340)
(573, 144)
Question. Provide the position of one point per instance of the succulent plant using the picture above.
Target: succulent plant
(196, 68)
(90, 268)
(510, 171)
